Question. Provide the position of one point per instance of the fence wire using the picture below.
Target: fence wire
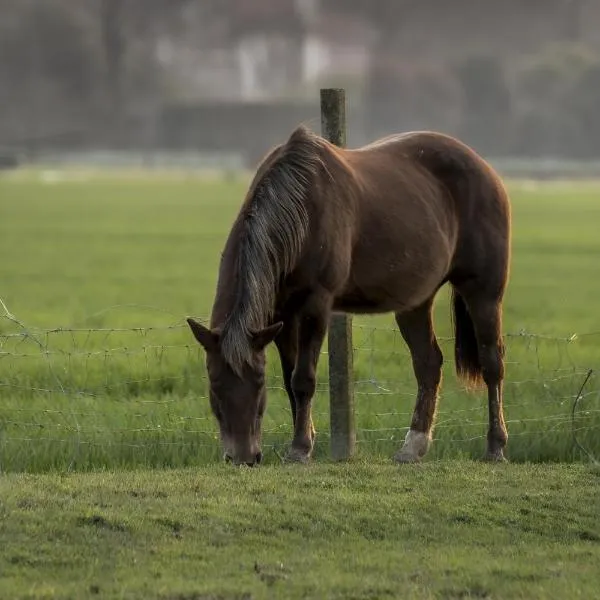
(89, 397)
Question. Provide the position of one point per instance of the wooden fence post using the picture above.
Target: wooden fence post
(341, 397)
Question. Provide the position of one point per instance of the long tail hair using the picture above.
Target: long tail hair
(466, 354)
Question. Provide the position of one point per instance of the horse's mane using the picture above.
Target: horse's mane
(272, 228)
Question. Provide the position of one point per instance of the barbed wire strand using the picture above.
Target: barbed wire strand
(41, 338)
(582, 448)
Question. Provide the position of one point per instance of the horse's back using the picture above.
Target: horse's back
(444, 172)
(404, 230)
(478, 199)
(427, 207)
(403, 189)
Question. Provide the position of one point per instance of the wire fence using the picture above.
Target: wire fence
(86, 397)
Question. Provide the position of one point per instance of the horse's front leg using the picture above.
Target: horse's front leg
(312, 328)
(287, 346)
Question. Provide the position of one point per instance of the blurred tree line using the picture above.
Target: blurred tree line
(73, 62)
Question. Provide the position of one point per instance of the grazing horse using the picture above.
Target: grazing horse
(370, 230)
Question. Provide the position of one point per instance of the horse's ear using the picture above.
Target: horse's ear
(208, 339)
(265, 336)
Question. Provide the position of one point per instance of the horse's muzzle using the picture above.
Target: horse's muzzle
(257, 460)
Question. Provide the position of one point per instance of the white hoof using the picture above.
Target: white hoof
(416, 445)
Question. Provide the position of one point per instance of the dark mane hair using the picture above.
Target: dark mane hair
(272, 228)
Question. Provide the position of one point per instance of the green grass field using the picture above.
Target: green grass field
(115, 263)
(360, 531)
(98, 373)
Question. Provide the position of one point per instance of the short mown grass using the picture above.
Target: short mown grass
(364, 530)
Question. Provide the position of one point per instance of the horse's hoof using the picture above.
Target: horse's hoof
(297, 456)
(416, 445)
(496, 456)
(403, 457)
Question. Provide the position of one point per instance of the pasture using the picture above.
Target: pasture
(98, 373)
(98, 370)
(360, 531)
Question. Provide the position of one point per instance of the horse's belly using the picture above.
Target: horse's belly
(391, 287)
(357, 302)
(381, 300)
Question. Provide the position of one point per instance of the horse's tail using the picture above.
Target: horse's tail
(466, 354)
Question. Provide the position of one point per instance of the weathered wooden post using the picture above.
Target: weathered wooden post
(341, 397)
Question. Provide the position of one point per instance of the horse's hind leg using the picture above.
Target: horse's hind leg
(485, 310)
(416, 328)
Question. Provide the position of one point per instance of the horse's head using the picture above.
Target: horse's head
(238, 397)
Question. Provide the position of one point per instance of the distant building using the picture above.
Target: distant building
(257, 61)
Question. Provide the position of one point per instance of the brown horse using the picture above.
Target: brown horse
(370, 230)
